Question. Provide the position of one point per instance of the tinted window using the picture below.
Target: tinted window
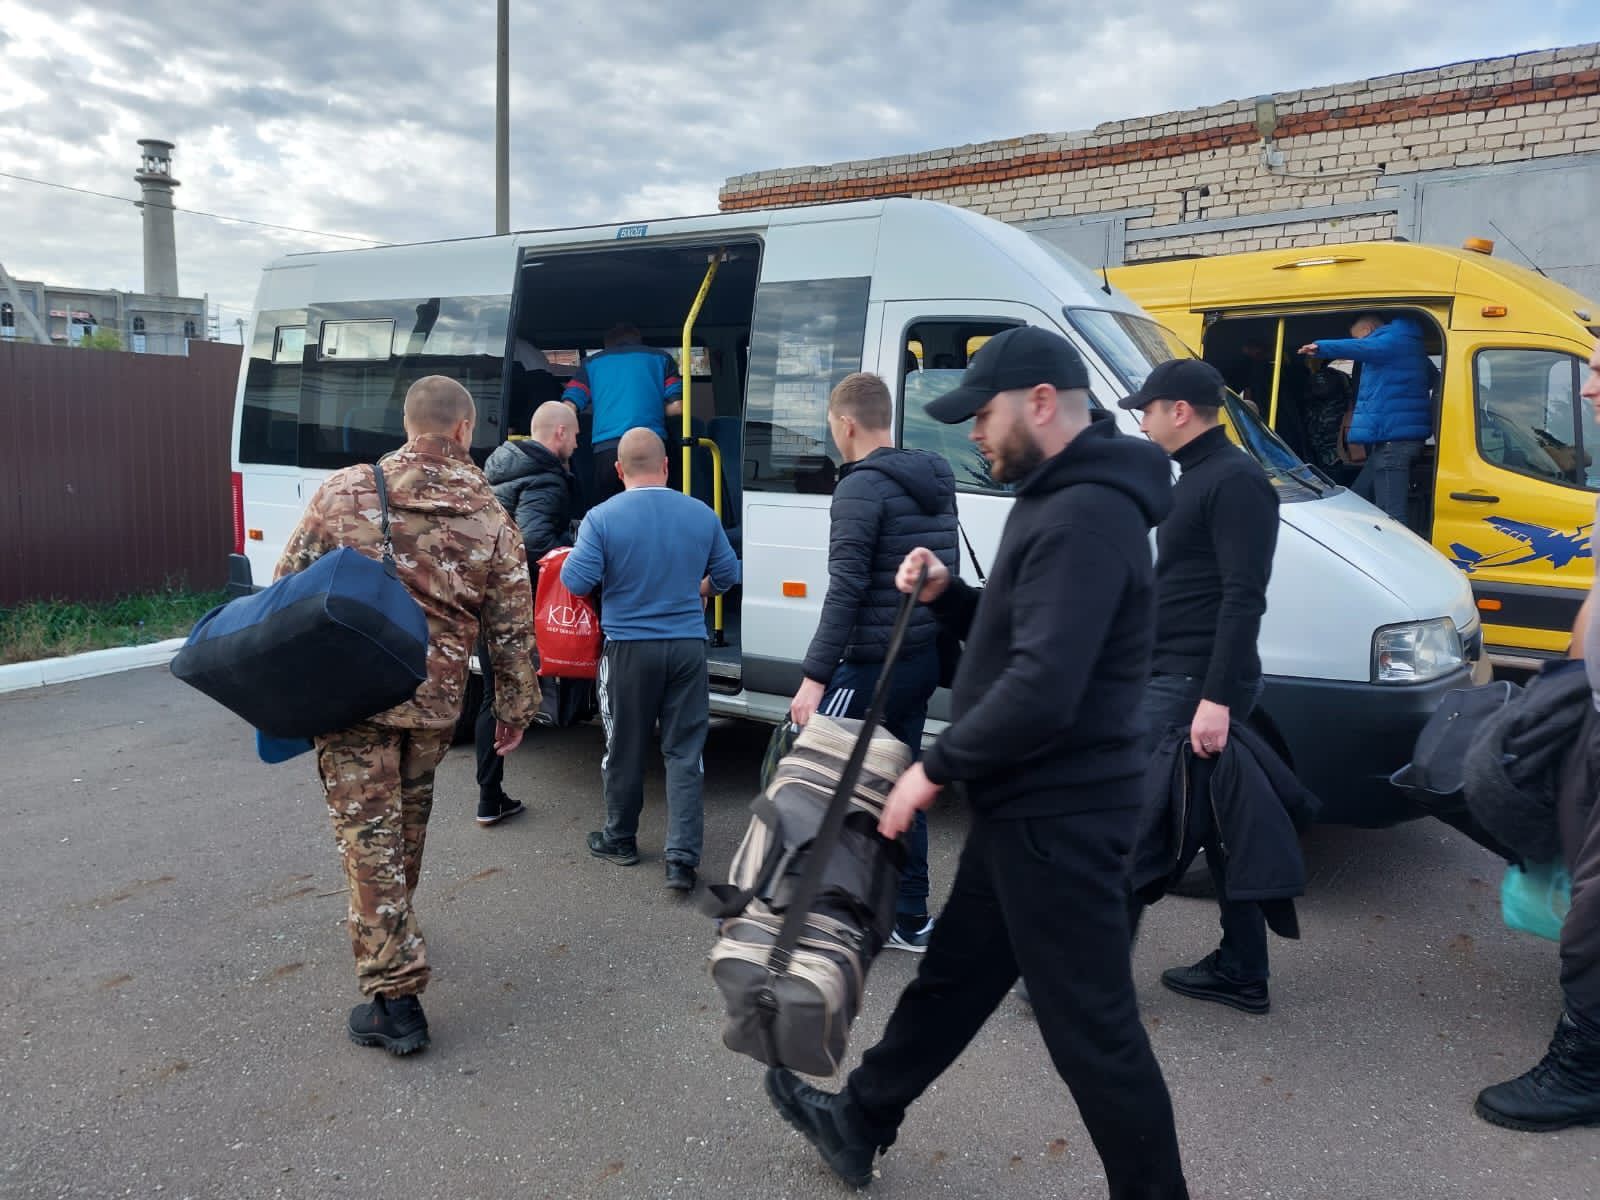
(1529, 417)
(950, 345)
(808, 335)
(270, 417)
(1133, 346)
(356, 376)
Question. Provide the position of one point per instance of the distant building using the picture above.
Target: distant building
(146, 324)
(154, 321)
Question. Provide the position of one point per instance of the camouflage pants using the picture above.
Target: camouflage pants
(379, 783)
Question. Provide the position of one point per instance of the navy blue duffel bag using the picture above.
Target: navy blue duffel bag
(315, 652)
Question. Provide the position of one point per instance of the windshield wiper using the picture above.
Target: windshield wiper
(1300, 474)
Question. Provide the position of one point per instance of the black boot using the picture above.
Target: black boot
(1563, 1090)
(398, 1024)
(831, 1124)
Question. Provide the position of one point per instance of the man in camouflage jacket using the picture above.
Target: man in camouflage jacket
(463, 561)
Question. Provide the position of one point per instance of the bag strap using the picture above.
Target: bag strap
(971, 553)
(383, 521)
(805, 892)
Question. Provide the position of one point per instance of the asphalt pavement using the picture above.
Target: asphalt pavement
(176, 978)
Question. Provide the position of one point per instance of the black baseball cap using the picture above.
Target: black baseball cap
(1023, 357)
(1179, 379)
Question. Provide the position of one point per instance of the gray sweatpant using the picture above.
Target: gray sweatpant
(1580, 843)
(639, 684)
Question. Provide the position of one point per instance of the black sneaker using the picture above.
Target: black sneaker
(680, 877)
(623, 853)
(494, 809)
(829, 1124)
(398, 1024)
(1204, 981)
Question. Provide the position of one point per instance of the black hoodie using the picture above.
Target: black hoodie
(885, 506)
(1057, 645)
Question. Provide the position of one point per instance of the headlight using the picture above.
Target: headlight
(1416, 652)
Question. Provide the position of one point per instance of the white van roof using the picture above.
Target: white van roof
(910, 229)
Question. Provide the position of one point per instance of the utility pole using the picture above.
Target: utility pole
(502, 120)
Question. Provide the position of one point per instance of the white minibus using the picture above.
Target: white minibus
(1366, 626)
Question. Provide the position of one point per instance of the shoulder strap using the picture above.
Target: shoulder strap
(805, 892)
(971, 553)
(383, 520)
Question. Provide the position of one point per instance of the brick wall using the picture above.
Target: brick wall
(1340, 146)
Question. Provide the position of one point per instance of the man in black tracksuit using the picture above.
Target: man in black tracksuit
(533, 482)
(887, 503)
(1213, 561)
(1057, 649)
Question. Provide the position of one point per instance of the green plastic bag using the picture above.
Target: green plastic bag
(1536, 900)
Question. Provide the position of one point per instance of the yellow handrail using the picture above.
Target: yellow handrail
(689, 441)
(1277, 380)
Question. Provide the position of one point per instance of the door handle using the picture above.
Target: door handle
(1475, 497)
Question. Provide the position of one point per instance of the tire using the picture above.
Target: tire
(471, 702)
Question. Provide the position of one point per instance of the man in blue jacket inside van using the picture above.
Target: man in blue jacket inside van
(1394, 404)
(630, 386)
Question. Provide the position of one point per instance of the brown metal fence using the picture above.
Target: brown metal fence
(114, 471)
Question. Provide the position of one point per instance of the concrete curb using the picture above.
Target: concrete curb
(19, 677)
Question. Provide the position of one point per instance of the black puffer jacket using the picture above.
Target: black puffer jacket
(885, 506)
(538, 491)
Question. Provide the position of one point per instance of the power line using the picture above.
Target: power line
(193, 212)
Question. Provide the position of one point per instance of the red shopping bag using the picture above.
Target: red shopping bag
(566, 628)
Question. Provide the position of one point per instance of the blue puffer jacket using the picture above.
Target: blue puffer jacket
(885, 506)
(1394, 404)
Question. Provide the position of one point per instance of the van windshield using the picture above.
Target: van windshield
(1133, 346)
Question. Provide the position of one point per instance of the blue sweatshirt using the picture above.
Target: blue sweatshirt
(647, 550)
(629, 387)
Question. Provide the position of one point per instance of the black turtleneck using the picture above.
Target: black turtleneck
(1213, 560)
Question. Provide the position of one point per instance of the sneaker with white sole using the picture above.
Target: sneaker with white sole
(912, 942)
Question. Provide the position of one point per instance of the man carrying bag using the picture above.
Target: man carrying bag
(462, 559)
(1057, 648)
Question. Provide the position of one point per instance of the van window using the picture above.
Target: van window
(269, 418)
(289, 344)
(951, 344)
(1529, 418)
(348, 341)
(808, 335)
(369, 352)
(1133, 346)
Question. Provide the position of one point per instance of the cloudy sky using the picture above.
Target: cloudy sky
(375, 119)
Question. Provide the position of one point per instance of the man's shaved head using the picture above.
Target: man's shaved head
(550, 417)
(437, 404)
(641, 455)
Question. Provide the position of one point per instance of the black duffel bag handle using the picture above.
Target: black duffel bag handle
(805, 892)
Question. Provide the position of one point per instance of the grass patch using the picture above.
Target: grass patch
(51, 628)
